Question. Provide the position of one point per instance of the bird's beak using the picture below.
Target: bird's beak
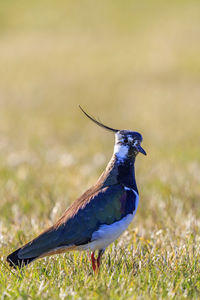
(141, 150)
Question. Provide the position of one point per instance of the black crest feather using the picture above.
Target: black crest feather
(97, 122)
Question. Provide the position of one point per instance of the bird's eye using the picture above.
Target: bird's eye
(125, 140)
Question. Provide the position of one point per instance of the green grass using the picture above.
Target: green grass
(135, 65)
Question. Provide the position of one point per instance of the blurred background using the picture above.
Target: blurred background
(132, 64)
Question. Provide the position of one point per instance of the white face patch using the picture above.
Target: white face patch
(121, 151)
(135, 143)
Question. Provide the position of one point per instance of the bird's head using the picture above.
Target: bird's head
(127, 143)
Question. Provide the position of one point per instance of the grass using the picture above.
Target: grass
(136, 66)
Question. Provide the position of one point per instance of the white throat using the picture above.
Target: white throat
(121, 151)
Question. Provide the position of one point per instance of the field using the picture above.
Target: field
(135, 65)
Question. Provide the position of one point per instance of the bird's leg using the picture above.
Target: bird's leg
(101, 252)
(93, 261)
(96, 262)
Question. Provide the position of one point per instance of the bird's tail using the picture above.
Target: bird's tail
(41, 246)
(15, 261)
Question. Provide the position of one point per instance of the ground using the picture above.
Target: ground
(135, 65)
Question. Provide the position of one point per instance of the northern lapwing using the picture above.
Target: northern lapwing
(100, 215)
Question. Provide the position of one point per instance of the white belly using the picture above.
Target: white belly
(106, 234)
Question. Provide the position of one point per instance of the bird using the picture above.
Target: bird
(98, 217)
